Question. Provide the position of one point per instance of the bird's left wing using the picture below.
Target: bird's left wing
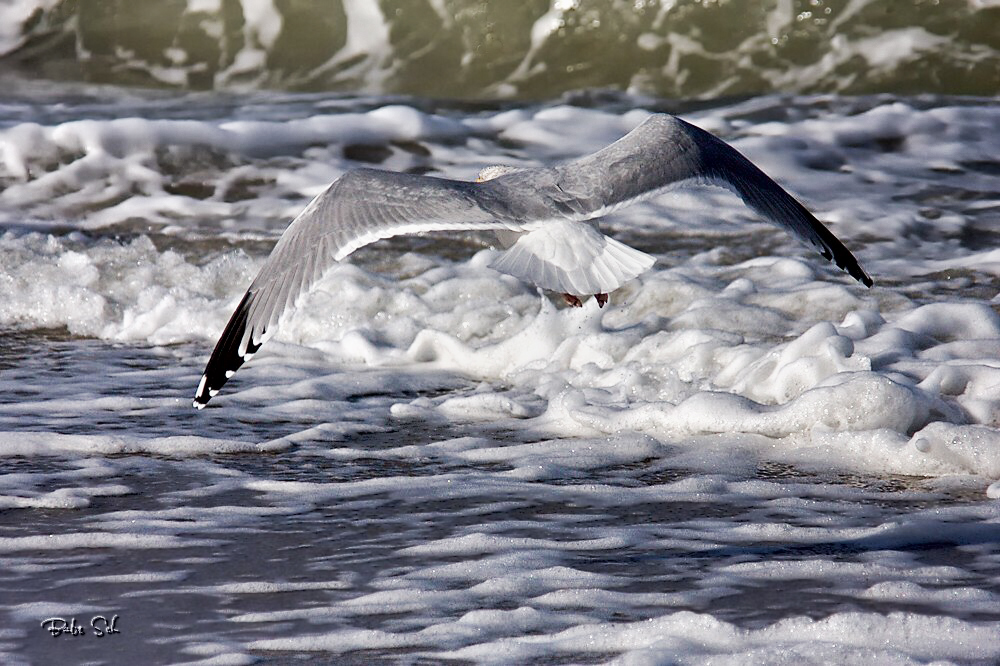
(359, 208)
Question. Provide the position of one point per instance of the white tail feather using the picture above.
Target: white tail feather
(572, 258)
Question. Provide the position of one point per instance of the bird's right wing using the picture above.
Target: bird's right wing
(663, 152)
(359, 208)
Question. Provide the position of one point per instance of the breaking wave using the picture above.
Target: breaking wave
(470, 49)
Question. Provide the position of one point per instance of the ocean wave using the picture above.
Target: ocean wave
(472, 49)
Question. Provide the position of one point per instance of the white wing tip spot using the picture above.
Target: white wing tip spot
(199, 404)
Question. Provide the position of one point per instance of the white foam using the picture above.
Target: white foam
(16, 443)
(14, 16)
(839, 637)
(58, 542)
(770, 346)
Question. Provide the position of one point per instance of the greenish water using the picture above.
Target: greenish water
(537, 49)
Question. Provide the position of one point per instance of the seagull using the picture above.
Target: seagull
(544, 216)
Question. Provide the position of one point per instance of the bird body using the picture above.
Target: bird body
(546, 217)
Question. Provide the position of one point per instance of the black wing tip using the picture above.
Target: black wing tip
(218, 371)
(226, 358)
(848, 263)
(858, 274)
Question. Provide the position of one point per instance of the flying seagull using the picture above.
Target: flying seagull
(545, 216)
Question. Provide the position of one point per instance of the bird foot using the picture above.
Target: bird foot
(602, 300)
(573, 300)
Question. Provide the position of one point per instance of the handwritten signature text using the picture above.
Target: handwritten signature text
(99, 626)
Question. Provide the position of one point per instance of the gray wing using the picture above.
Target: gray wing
(663, 152)
(359, 208)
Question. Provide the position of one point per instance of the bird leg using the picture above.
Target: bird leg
(602, 299)
(573, 300)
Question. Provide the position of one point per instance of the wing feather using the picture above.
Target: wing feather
(661, 153)
(359, 208)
